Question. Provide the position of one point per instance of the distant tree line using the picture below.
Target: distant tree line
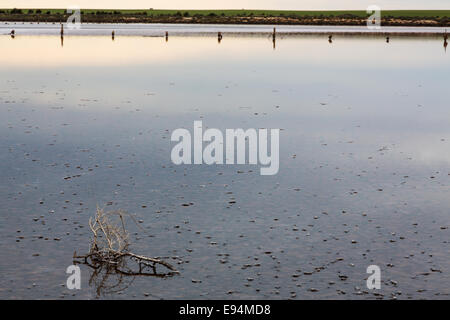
(239, 16)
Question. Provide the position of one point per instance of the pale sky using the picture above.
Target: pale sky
(230, 4)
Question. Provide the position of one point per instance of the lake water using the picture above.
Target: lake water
(158, 29)
(364, 173)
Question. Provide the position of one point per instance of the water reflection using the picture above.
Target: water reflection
(79, 49)
(445, 41)
(108, 279)
(364, 158)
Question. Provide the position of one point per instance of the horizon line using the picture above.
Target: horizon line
(133, 9)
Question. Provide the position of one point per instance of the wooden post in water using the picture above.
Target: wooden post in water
(62, 35)
(274, 38)
(330, 38)
(387, 39)
(445, 40)
(219, 36)
(167, 36)
(113, 35)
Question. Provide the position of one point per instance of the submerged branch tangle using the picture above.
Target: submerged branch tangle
(109, 250)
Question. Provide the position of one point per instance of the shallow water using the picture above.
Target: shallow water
(364, 164)
(159, 29)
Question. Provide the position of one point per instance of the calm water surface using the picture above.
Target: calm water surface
(158, 29)
(364, 164)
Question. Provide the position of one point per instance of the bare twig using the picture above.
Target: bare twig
(109, 250)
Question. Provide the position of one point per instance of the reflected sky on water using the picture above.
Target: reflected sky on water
(364, 163)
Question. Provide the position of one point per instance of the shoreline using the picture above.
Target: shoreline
(403, 18)
(158, 30)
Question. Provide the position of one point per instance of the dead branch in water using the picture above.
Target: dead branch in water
(109, 249)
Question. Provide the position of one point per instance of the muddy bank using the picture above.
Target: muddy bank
(344, 20)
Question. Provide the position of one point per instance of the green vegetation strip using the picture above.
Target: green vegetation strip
(237, 13)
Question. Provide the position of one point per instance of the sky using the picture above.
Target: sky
(230, 4)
